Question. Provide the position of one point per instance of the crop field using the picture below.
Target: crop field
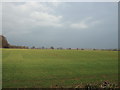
(37, 68)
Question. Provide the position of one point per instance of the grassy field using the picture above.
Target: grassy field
(46, 68)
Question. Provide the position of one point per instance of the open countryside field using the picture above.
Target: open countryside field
(67, 68)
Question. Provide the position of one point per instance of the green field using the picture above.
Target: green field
(25, 68)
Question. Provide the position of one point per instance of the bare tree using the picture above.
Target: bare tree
(33, 47)
(51, 47)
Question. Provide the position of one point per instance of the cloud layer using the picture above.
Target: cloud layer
(85, 23)
(28, 15)
(32, 14)
(60, 23)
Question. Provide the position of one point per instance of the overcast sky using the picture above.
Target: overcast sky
(67, 25)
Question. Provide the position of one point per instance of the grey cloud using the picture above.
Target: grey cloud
(49, 24)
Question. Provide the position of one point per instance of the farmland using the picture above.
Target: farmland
(46, 68)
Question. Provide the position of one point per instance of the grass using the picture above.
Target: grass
(23, 68)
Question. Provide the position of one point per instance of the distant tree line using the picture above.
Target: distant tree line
(4, 44)
(21, 47)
